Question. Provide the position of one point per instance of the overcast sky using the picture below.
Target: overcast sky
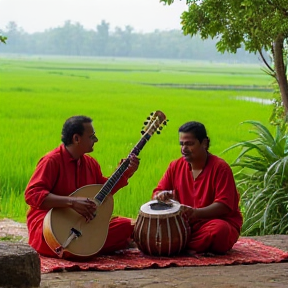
(142, 15)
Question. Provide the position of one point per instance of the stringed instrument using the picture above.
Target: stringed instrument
(67, 233)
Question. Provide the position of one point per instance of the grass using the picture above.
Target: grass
(37, 94)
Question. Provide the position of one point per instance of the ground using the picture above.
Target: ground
(240, 276)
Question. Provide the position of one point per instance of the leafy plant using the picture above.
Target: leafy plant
(3, 39)
(262, 180)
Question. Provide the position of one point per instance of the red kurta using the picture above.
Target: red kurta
(59, 173)
(214, 184)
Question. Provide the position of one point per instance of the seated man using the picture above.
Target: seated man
(62, 171)
(205, 183)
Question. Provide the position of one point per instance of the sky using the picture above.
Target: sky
(143, 15)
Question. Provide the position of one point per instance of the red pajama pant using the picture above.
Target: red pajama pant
(120, 231)
(216, 236)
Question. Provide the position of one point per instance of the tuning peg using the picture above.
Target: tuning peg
(146, 122)
(158, 132)
(151, 113)
(142, 132)
(148, 118)
(160, 128)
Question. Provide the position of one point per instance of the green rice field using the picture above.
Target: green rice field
(39, 93)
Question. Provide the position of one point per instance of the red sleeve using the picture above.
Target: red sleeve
(166, 182)
(41, 182)
(120, 184)
(225, 191)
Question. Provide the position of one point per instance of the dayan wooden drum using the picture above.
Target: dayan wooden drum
(160, 229)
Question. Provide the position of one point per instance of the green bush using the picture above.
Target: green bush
(262, 180)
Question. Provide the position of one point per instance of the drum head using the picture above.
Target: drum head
(155, 207)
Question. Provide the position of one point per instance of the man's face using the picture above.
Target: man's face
(87, 140)
(191, 148)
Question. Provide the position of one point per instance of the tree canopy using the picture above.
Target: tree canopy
(256, 25)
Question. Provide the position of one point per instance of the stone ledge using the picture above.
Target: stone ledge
(19, 265)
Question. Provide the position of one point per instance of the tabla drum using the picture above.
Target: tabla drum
(160, 228)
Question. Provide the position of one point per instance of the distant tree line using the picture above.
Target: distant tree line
(73, 40)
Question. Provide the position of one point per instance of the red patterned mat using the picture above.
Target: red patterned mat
(245, 251)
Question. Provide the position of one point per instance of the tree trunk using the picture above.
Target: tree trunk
(281, 70)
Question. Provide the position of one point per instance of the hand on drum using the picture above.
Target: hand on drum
(189, 212)
(164, 195)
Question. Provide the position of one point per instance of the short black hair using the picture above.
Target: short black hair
(197, 129)
(73, 125)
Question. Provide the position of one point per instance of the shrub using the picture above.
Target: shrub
(262, 180)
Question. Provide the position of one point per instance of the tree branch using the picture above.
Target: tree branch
(265, 62)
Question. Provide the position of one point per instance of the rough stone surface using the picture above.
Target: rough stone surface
(233, 276)
(19, 265)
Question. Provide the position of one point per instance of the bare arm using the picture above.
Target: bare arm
(55, 201)
(212, 211)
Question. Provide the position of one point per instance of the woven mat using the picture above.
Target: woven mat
(245, 251)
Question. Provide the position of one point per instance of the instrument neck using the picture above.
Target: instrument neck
(115, 177)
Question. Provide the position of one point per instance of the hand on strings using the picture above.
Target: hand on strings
(133, 165)
(84, 206)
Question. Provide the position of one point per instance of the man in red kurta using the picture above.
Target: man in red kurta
(205, 183)
(64, 170)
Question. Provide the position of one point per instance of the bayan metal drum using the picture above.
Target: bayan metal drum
(161, 229)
